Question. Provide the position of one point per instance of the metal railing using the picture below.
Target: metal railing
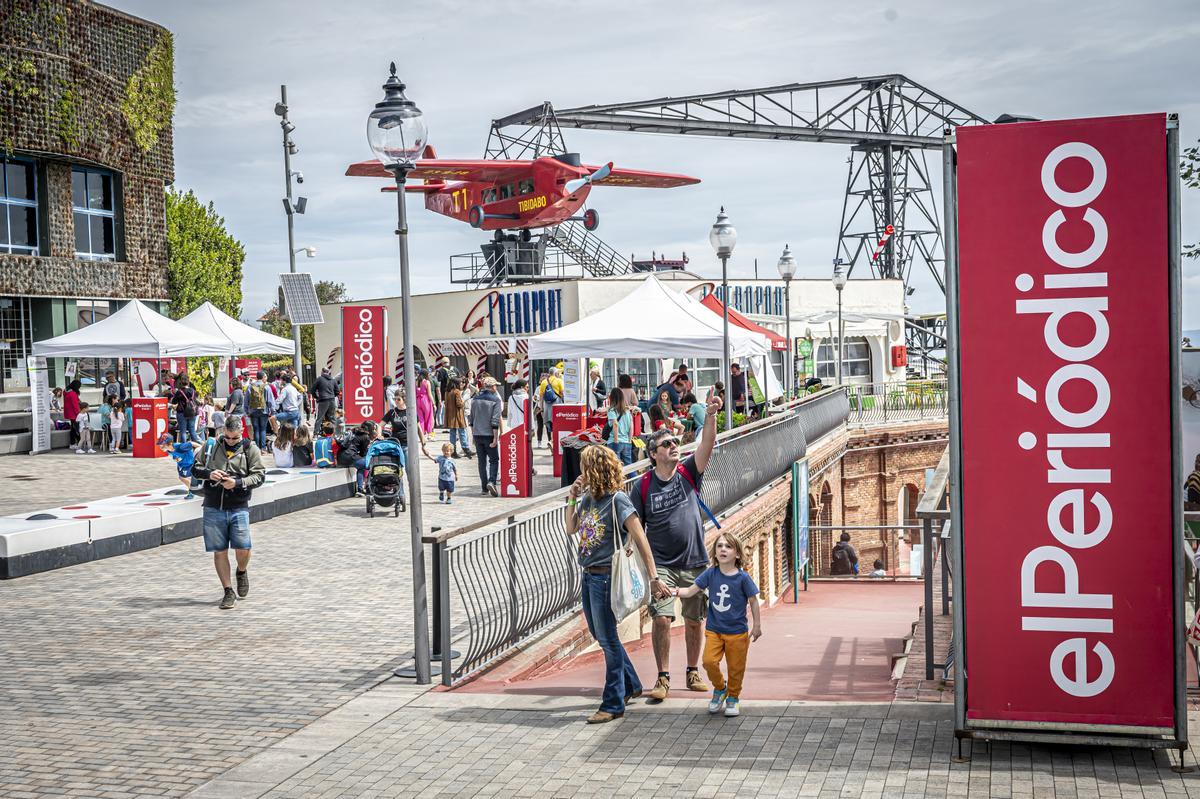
(885, 403)
(589, 251)
(505, 579)
(883, 542)
(933, 509)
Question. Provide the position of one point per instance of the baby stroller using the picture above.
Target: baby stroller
(385, 476)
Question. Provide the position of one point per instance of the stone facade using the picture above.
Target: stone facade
(81, 83)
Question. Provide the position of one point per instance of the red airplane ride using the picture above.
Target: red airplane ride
(519, 195)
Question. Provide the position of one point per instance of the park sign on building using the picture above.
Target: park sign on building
(1067, 503)
(364, 361)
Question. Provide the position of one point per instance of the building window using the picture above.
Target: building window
(856, 360)
(90, 371)
(18, 207)
(95, 219)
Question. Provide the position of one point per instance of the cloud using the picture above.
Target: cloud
(467, 63)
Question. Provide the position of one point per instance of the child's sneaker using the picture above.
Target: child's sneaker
(731, 706)
(190, 495)
(441, 496)
(79, 452)
(448, 500)
(91, 452)
(717, 701)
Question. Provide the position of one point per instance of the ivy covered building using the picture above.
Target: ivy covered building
(86, 103)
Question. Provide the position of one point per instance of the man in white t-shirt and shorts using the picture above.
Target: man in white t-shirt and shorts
(667, 500)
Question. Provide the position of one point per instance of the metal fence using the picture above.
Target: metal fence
(885, 403)
(503, 580)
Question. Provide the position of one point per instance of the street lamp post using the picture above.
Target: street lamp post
(723, 237)
(787, 270)
(839, 283)
(397, 133)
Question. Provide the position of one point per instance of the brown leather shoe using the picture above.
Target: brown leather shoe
(662, 686)
(603, 717)
(696, 683)
(635, 695)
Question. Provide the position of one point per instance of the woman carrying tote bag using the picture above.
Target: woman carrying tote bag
(597, 508)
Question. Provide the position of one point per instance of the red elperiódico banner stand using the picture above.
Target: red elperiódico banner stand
(149, 423)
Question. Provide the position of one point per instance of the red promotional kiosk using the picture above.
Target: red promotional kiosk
(149, 422)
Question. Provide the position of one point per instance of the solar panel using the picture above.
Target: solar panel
(300, 299)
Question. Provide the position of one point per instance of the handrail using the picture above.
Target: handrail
(935, 490)
(637, 467)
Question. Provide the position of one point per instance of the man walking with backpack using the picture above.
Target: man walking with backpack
(257, 392)
(231, 469)
(667, 499)
(485, 428)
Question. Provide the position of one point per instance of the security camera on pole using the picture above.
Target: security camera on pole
(291, 209)
(396, 132)
(723, 237)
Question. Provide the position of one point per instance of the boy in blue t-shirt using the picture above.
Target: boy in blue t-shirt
(447, 473)
(726, 632)
(184, 455)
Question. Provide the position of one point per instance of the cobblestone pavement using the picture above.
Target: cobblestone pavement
(121, 675)
(467, 745)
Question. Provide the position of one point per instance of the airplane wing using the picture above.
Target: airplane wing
(639, 179)
(445, 169)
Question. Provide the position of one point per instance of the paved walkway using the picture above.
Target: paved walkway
(836, 645)
(121, 675)
(394, 742)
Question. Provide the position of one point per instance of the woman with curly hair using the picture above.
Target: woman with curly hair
(596, 503)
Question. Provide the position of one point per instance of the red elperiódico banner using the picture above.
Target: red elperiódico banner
(1066, 422)
(364, 361)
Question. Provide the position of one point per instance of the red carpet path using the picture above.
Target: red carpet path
(835, 645)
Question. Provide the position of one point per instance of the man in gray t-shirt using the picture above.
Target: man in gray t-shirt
(666, 500)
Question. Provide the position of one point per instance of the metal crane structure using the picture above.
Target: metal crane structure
(889, 212)
(887, 120)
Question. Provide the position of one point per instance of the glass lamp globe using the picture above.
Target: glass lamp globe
(396, 128)
(723, 237)
(787, 264)
(839, 276)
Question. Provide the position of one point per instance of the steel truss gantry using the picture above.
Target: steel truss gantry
(887, 120)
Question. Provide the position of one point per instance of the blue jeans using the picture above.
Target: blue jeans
(460, 434)
(291, 417)
(624, 452)
(489, 460)
(185, 427)
(360, 474)
(620, 679)
(258, 420)
(225, 528)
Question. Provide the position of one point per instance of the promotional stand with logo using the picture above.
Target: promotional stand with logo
(364, 362)
(1062, 275)
(516, 460)
(567, 419)
(149, 422)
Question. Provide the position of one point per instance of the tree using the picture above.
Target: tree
(204, 262)
(274, 321)
(1189, 171)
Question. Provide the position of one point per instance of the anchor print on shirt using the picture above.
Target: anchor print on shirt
(722, 595)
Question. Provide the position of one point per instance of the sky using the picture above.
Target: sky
(466, 63)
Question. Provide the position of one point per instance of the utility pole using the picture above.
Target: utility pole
(289, 147)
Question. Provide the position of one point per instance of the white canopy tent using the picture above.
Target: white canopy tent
(240, 337)
(652, 321)
(134, 331)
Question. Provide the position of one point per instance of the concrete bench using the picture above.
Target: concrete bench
(80, 532)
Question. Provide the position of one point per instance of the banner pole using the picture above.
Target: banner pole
(950, 242)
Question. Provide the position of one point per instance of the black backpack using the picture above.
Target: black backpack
(841, 560)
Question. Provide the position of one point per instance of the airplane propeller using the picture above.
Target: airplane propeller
(578, 183)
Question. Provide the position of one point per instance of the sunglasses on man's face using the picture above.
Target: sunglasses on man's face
(671, 443)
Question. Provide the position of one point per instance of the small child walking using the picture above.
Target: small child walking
(84, 420)
(447, 472)
(184, 454)
(726, 634)
(116, 423)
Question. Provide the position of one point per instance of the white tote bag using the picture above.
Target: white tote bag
(630, 585)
